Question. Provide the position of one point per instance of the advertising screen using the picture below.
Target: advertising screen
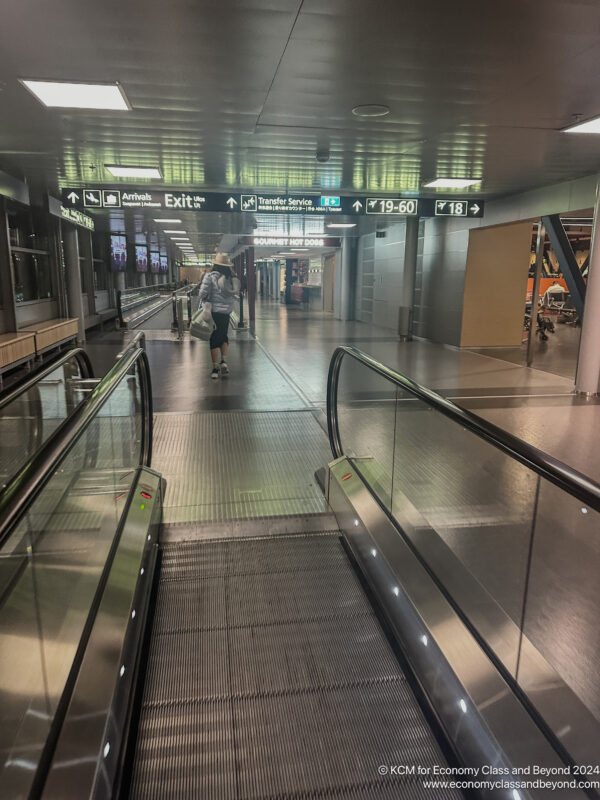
(164, 264)
(141, 258)
(154, 262)
(118, 253)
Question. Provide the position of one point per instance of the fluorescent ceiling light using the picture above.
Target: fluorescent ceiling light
(590, 126)
(173, 231)
(67, 94)
(341, 224)
(162, 219)
(133, 172)
(452, 183)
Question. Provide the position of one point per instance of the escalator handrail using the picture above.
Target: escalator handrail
(29, 481)
(78, 353)
(560, 474)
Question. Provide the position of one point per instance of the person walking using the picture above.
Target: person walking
(220, 287)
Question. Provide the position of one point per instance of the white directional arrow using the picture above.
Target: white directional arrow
(73, 197)
(357, 206)
(231, 202)
(475, 208)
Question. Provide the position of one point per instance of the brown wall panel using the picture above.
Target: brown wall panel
(496, 285)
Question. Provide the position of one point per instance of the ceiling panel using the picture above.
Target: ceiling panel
(241, 93)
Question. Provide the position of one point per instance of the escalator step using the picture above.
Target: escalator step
(269, 677)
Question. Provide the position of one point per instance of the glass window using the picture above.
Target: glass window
(32, 276)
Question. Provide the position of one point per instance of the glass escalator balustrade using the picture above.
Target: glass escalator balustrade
(50, 567)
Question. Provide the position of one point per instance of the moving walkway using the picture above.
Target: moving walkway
(307, 665)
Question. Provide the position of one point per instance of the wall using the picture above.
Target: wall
(380, 277)
(495, 285)
(440, 281)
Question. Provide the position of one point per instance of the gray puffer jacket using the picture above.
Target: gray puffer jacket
(221, 290)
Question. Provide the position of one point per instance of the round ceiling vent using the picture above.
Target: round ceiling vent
(371, 110)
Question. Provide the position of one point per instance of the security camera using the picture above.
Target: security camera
(322, 156)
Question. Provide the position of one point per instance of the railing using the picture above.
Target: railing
(509, 533)
(30, 480)
(58, 524)
(33, 409)
(128, 299)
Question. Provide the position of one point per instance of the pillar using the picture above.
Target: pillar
(8, 313)
(74, 288)
(142, 279)
(119, 281)
(588, 364)
(411, 242)
(345, 279)
(251, 278)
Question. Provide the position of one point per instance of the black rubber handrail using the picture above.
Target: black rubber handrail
(29, 481)
(565, 477)
(78, 353)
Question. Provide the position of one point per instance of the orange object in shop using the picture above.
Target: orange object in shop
(545, 283)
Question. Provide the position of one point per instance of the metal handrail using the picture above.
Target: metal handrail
(27, 484)
(139, 340)
(565, 477)
(77, 353)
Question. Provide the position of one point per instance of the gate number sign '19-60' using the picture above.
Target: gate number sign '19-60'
(93, 198)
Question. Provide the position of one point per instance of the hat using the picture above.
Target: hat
(222, 260)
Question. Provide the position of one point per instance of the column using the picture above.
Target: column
(411, 242)
(588, 364)
(8, 313)
(346, 275)
(74, 287)
(87, 269)
(251, 278)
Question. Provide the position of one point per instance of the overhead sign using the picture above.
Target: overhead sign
(78, 217)
(57, 209)
(90, 198)
(292, 241)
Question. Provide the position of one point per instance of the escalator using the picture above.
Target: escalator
(37, 405)
(363, 661)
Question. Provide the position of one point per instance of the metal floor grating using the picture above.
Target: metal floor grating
(269, 677)
(238, 465)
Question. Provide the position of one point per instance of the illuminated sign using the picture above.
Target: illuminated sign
(78, 217)
(392, 205)
(92, 198)
(292, 241)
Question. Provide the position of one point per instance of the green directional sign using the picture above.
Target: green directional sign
(101, 199)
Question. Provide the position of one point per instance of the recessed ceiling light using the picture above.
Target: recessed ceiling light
(341, 224)
(133, 172)
(69, 94)
(452, 183)
(371, 110)
(174, 231)
(590, 126)
(161, 219)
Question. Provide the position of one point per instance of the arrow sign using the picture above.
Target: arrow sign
(73, 197)
(231, 202)
(357, 206)
(474, 209)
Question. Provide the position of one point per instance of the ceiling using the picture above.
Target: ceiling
(241, 93)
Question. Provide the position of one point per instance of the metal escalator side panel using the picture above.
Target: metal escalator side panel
(87, 753)
(485, 722)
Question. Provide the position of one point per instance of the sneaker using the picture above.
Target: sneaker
(215, 373)
(224, 368)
